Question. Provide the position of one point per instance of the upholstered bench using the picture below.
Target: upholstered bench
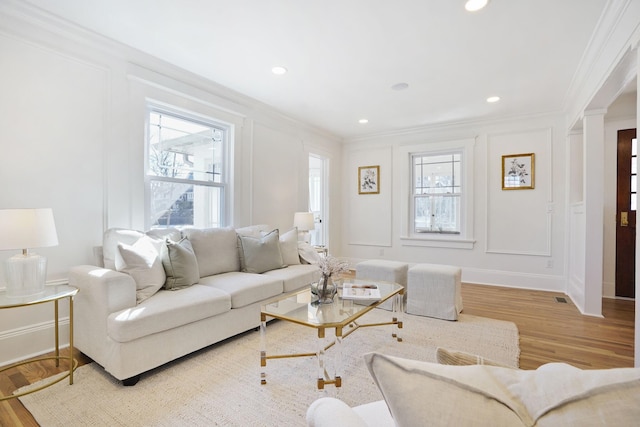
(389, 271)
(435, 291)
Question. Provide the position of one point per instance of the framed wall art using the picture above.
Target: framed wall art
(518, 171)
(369, 180)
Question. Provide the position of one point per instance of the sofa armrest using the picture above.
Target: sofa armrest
(332, 412)
(101, 292)
(108, 290)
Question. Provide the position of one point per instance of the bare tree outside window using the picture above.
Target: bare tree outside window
(437, 191)
(185, 172)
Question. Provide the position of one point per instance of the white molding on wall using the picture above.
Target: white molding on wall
(507, 279)
(378, 204)
(379, 245)
(26, 340)
(513, 279)
(616, 33)
(438, 243)
(549, 192)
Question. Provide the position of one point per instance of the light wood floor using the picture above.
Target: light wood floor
(549, 332)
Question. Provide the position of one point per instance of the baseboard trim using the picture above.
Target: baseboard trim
(30, 341)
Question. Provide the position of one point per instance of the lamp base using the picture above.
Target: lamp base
(304, 236)
(25, 274)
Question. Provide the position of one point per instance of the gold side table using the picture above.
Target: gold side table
(51, 293)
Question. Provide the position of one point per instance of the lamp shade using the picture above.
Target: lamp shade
(303, 221)
(27, 228)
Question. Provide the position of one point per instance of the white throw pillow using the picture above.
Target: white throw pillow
(254, 230)
(308, 253)
(114, 236)
(142, 262)
(556, 394)
(289, 247)
(460, 358)
(110, 241)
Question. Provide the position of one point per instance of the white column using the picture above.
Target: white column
(593, 130)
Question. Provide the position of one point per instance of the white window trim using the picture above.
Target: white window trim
(225, 186)
(465, 239)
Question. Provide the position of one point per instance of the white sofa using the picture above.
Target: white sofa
(155, 300)
(422, 393)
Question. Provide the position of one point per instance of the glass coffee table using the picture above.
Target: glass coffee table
(300, 308)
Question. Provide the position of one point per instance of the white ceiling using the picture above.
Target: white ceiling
(343, 56)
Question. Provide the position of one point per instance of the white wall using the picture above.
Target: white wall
(73, 108)
(518, 235)
(72, 137)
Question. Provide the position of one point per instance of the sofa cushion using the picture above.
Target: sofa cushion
(295, 277)
(216, 249)
(114, 236)
(180, 264)
(167, 310)
(142, 262)
(260, 254)
(244, 288)
(555, 394)
(289, 247)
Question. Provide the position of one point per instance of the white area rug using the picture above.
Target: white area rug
(220, 385)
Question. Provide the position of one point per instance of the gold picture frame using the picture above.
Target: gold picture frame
(518, 171)
(369, 180)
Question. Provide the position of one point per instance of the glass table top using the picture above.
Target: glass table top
(50, 293)
(301, 307)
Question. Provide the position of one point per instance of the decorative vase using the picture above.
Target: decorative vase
(327, 289)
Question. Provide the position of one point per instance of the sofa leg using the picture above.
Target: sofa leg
(131, 381)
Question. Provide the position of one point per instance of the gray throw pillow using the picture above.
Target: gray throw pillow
(180, 264)
(258, 255)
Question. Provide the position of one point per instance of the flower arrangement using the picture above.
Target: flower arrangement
(331, 265)
(325, 289)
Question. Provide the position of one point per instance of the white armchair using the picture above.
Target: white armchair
(332, 412)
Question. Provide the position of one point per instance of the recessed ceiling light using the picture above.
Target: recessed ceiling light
(279, 70)
(474, 5)
(400, 86)
(493, 99)
(363, 121)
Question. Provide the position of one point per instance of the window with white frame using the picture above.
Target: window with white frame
(186, 170)
(436, 192)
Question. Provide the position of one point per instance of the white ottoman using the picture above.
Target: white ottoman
(435, 291)
(389, 271)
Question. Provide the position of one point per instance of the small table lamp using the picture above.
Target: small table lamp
(26, 273)
(304, 222)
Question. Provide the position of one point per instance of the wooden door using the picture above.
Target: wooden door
(626, 214)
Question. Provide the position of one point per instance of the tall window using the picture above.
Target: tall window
(437, 192)
(186, 173)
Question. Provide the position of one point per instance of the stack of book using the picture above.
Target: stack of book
(360, 292)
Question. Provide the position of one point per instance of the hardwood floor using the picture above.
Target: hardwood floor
(556, 332)
(550, 331)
